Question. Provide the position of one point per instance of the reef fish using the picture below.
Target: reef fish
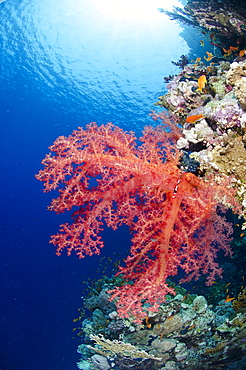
(242, 53)
(209, 56)
(201, 82)
(229, 300)
(193, 119)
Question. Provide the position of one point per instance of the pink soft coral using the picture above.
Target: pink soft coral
(171, 214)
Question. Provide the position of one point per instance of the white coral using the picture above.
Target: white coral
(200, 132)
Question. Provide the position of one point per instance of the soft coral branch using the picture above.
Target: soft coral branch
(109, 179)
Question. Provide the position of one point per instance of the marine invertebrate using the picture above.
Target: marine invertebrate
(239, 304)
(168, 334)
(172, 214)
(225, 114)
(182, 62)
(181, 97)
(225, 19)
(236, 77)
(231, 158)
(200, 133)
(119, 348)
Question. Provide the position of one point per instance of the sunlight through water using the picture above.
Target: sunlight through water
(133, 10)
(96, 60)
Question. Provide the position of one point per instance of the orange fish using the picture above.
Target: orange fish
(201, 82)
(229, 299)
(233, 48)
(198, 60)
(227, 52)
(209, 56)
(242, 53)
(193, 119)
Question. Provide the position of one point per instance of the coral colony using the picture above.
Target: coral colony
(172, 213)
(173, 191)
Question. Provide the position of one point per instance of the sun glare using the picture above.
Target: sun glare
(133, 10)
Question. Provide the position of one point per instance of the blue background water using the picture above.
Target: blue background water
(63, 65)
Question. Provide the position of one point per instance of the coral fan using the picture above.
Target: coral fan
(172, 214)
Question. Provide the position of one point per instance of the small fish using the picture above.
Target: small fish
(227, 52)
(198, 60)
(229, 300)
(147, 323)
(191, 327)
(242, 53)
(242, 234)
(201, 82)
(146, 320)
(233, 48)
(201, 43)
(193, 119)
(209, 56)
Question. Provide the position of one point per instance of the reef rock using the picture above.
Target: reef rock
(236, 77)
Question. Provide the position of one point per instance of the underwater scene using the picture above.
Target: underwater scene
(123, 185)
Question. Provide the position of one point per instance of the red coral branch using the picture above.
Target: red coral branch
(172, 214)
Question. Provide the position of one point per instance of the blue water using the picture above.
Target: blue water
(63, 65)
